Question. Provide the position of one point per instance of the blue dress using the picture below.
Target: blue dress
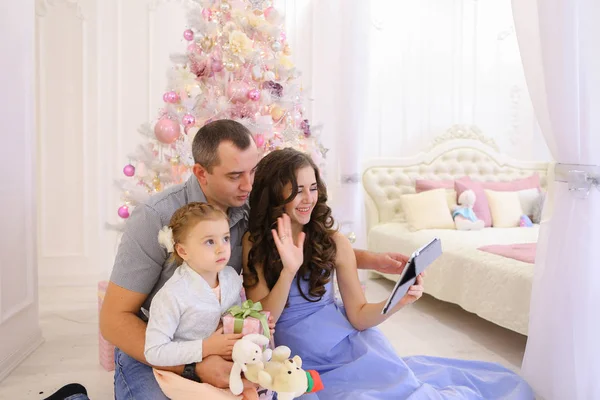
(364, 365)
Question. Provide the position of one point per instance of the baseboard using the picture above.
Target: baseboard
(20, 354)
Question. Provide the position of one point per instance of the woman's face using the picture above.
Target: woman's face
(301, 207)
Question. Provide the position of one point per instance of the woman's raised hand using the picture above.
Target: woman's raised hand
(292, 254)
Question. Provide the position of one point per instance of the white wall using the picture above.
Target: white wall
(102, 72)
(19, 328)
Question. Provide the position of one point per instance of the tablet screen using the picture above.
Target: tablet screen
(418, 262)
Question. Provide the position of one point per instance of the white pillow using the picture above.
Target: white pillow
(451, 199)
(528, 199)
(505, 208)
(427, 210)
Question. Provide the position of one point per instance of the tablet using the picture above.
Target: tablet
(417, 263)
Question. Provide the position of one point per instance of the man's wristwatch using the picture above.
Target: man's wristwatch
(189, 372)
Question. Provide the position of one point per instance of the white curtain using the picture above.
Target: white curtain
(332, 42)
(558, 41)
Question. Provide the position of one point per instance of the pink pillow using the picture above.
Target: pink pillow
(532, 182)
(481, 207)
(423, 185)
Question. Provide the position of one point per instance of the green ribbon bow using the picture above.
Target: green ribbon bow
(249, 309)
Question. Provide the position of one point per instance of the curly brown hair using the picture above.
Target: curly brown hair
(186, 218)
(267, 203)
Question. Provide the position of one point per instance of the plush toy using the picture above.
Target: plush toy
(525, 222)
(463, 215)
(247, 351)
(280, 374)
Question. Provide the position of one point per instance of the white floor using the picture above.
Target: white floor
(70, 353)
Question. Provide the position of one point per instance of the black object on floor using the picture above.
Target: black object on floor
(66, 391)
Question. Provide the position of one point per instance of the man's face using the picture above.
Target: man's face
(231, 180)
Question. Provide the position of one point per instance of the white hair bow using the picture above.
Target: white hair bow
(165, 238)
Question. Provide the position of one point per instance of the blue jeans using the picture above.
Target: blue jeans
(134, 380)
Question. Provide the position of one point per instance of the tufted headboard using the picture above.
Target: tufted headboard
(459, 152)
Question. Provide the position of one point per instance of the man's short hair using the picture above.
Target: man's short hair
(206, 142)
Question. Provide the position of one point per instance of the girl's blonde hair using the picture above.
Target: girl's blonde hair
(186, 218)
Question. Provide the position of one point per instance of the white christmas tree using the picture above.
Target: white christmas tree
(237, 66)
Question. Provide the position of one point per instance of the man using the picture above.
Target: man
(225, 157)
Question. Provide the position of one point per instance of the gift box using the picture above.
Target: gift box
(247, 318)
(106, 351)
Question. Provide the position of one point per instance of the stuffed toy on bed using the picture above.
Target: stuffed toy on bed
(464, 216)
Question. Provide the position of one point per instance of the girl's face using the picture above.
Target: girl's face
(206, 248)
(301, 207)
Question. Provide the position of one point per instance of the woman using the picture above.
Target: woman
(290, 269)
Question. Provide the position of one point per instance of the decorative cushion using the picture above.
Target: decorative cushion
(423, 185)
(528, 198)
(505, 208)
(531, 182)
(481, 207)
(538, 206)
(427, 210)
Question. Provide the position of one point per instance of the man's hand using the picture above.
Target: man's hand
(215, 371)
(389, 263)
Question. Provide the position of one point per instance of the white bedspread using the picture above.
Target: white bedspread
(494, 287)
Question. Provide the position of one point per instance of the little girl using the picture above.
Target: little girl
(186, 311)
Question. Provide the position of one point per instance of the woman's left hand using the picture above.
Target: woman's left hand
(271, 325)
(414, 292)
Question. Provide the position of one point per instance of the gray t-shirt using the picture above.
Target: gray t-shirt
(141, 262)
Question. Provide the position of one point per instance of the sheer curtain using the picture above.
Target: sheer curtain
(558, 41)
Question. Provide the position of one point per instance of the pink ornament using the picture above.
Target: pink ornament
(123, 212)
(201, 68)
(268, 11)
(167, 131)
(189, 120)
(254, 94)
(206, 13)
(259, 139)
(194, 48)
(237, 91)
(188, 35)
(171, 97)
(217, 66)
(129, 170)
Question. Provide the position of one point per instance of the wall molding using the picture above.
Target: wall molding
(42, 7)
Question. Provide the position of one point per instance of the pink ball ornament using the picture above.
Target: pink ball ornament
(123, 212)
(189, 120)
(206, 13)
(259, 139)
(188, 35)
(254, 94)
(237, 91)
(129, 170)
(217, 66)
(194, 48)
(167, 131)
(171, 97)
(268, 12)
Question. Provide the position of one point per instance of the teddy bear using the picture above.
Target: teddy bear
(272, 370)
(247, 351)
(463, 215)
(285, 375)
